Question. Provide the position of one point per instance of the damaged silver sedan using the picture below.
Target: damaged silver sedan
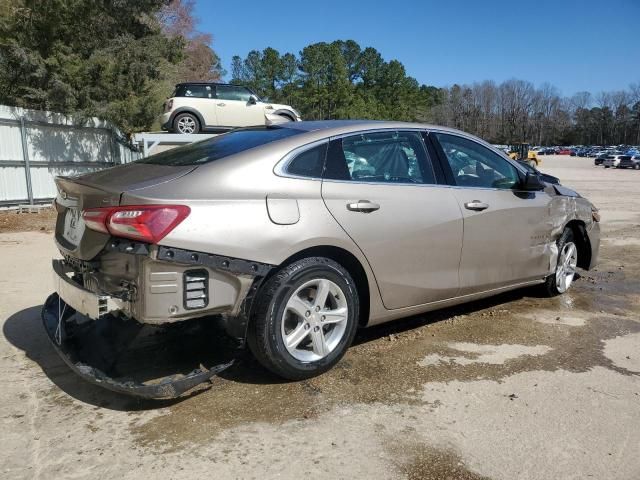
(288, 238)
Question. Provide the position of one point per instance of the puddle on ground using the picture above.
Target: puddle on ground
(420, 462)
(471, 353)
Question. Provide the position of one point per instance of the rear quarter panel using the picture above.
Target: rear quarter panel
(229, 215)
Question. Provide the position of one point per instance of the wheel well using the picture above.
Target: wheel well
(350, 263)
(289, 116)
(582, 242)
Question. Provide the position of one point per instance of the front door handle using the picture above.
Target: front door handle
(221, 104)
(476, 205)
(364, 206)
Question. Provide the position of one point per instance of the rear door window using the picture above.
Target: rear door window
(380, 157)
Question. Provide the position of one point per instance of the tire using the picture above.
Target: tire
(606, 166)
(186, 123)
(560, 281)
(275, 320)
(636, 166)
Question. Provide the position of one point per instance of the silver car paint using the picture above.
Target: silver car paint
(241, 208)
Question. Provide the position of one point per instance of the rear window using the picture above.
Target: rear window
(221, 146)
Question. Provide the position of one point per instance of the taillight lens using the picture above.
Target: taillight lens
(169, 105)
(147, 223)
(96, 219)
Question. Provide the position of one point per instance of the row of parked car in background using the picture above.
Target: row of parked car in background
(618, 156)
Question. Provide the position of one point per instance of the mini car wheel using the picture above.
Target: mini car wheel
(186, 123)
(560, 281)
(305, 318)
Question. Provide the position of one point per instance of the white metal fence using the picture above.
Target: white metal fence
(36, 146)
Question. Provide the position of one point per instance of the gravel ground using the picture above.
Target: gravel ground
(510, 387)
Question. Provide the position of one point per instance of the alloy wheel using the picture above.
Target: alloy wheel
(566, 270)
(186, 125)
(314, 320)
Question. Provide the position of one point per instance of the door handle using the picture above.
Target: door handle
(476, 205)
(364, 206)
(221, 104)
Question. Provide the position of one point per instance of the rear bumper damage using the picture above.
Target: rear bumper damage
(100, 351)
(151, 342)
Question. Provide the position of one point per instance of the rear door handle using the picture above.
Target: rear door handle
(221, 104)
(364, 206)
(476, 205)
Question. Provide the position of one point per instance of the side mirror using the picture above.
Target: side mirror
(253, 100)
(532, 182)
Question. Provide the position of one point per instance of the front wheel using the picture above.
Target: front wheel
(305, 318)
(560, 281)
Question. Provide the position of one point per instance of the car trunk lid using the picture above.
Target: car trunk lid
(101, 189)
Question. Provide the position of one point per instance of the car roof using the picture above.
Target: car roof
(339, 127)
(210, 83)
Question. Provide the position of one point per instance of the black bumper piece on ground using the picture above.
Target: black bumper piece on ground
(135, 359)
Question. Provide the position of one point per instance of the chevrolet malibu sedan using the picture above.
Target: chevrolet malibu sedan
(296, 235)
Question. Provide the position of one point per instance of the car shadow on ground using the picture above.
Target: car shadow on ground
(25, 331)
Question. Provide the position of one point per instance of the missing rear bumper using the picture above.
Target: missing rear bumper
(140, 360)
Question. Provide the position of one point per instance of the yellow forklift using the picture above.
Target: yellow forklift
(521, 152)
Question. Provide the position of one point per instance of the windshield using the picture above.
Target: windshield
(221, 146)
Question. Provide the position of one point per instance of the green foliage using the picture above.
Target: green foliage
(104, 58)
(335, 80)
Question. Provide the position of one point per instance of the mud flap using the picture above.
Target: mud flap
(101, 351)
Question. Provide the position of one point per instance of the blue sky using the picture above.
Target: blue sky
(575, 45)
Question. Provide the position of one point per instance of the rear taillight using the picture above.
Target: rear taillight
(96, 219)
(169, 105)
(147, 223)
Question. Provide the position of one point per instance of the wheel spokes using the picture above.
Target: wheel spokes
(298, 334)
(298, 306)
(322, 293)
(319, 342)
(335, 316)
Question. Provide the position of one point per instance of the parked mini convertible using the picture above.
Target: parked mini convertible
(297, 234)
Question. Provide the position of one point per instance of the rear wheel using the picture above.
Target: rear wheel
(305, 318)
(560, 281)
(186, 123)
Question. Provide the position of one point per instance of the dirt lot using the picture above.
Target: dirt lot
(512, 387)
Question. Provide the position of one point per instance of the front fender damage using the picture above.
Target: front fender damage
(145, 361)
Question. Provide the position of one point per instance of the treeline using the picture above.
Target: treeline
(342, 80)
(120, 60)
(517, 111)
(115, 60)
(336, 80)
